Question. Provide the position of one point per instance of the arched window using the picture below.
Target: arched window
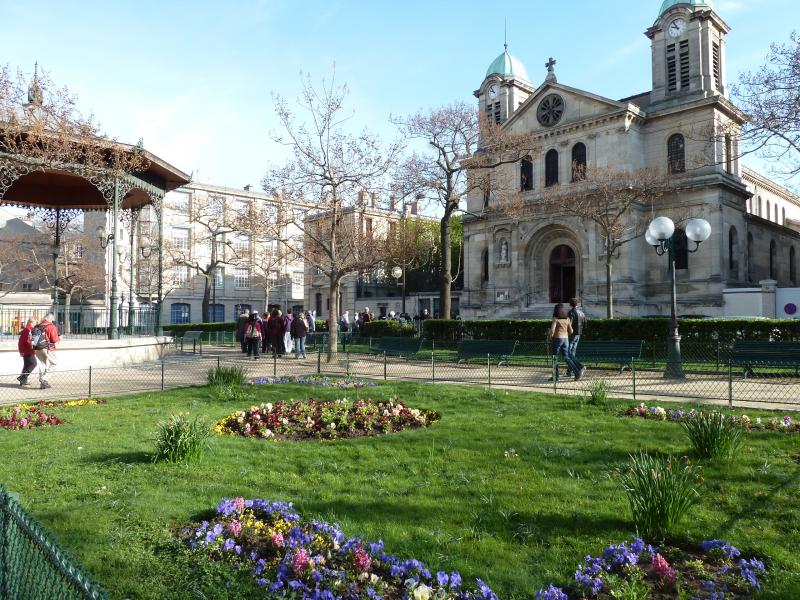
(760, 212)
(551, 168)
(750, 247)
(180, 313)
(487, 192)
(733, 252)
(783, 216)
(792, 266)
(526, 174)
(676, 151)
(579, 161)
(773, 260)
(769, 211)
(485, 267)
(216, 313)
(681, 249)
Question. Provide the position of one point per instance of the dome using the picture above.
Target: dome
(507, 66)
(670, 3)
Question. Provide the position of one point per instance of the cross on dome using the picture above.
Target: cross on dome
(551, 73)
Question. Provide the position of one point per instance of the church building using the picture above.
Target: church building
(684, 127)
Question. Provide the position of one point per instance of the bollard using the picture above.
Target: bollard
(90, 381)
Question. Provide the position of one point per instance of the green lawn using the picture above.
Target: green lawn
(445, 495)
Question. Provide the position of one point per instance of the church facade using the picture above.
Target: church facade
(683, 127)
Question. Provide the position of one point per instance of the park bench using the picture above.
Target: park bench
(400, 346)
(751, 354)
(623, 352)
(500, 350)
(195, 337)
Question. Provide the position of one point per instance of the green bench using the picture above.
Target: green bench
(623, 352)
(195, 337)
(401, 346)
(500, 350)
(751, 354)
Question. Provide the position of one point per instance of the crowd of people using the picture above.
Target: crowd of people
(276, 332)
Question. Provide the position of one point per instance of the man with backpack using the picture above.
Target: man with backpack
(578, 319)
(43, 339)
(27, 352)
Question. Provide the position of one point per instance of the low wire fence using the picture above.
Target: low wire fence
(32, 563)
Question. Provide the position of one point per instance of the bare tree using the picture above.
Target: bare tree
(611, 200)
(463, 153)
(771, 98)
(335, 170)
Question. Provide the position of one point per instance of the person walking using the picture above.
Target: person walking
(265, 340)
(45, 346)
(275, 329)
(299, 329)
(253, 334)
(27, 352)
(287, 330)
(578, 320)
(560, 330)
(241, 323)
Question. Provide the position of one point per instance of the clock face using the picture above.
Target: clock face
(550, 110)
(677, 27)
(492, 91)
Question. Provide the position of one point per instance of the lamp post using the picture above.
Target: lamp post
(661, 236)
(147, 252)
(105, 240)
(397, 273)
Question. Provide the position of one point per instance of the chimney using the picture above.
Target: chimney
(414, 207)
(392, 203)
(373, 199)
(247, 187)
(361, 199)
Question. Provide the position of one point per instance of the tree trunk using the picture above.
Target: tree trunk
(266, 299)
(333, 318)
(67, 302)
(206, 300)
(609, 289)
(445, 267)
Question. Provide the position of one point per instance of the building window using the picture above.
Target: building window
(28, 287)
(241, 244)
(180, 313)
(243, 308)
(271, 212)
(733, 252)
(551, 168)
(216, 312)
(368, 228)
(579, 162)
(685, 63)
(717, 58)
(672, 69)
(297, 278)
(485, 267)
(681, 244)
(783, 216)
(769, 211)
(180, 238)
(773, 260)
(77, 250)
(487, 192)
(750, 245)
(526, 174)
(792, 266)
(242, 278)
(760, 207)
(180, 275)
(676, 151)
(179, 202)
(728, 153)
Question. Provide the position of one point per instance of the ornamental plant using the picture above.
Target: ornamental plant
(291, 557)
(660, 492)
(181, 440)
(226, 375)
(341, 383)
(26, 416)
(677, 415)
(713, 435)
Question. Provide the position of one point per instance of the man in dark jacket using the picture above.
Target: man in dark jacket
(240, 327)
(27, 352)
(299, 329)
(578, 319)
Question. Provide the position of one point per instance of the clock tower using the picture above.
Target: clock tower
(504, 89)
(688, 46)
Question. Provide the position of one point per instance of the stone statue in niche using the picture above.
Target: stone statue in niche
(504, 251)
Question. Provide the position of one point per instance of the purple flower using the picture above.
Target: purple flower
(723, 547)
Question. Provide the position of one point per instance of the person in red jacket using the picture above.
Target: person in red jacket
(27, 352)
(47, 356)
(253, 335)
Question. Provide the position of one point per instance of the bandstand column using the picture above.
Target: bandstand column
(158, 203)
(113, 332)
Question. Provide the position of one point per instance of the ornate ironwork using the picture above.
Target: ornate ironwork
(550, 110)
(56, 219)
(10, 171)
(129, 218)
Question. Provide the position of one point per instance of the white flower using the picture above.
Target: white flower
(285, 421)
(268, 433)
(268, 406)
(333, 425)
(422, 592)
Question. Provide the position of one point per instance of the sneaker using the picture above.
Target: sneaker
(44, 385)
(580, 374)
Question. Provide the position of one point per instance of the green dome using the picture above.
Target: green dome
(507, 66)
(670, 3)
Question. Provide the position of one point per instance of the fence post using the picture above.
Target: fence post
(370, 346)
(555, 374)
(347, 363)
(274, 365)
(730, 383)
(319, 360)
(718, 356)
(218, 363)
(633, 375)
(489, 368)
(162, 374)
(90, 381)
(433, 367)
(384, 363)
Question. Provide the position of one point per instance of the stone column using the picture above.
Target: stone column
(769, 288)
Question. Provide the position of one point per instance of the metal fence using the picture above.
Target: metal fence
(32, 564)
(80, 321)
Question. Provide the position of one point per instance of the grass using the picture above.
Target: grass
(445, 495)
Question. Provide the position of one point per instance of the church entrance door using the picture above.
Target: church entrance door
(562, 274)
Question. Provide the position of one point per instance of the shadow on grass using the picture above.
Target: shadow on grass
(122, 458)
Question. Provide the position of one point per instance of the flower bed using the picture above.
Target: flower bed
(332, 419)
(341, 383)
(25, 416)
(70, 403)
(298, 558)
(658, 413)
(714, 570)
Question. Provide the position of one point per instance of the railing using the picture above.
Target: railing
(33, 564)
(81, 321)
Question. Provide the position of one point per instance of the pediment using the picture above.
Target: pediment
(579, 105)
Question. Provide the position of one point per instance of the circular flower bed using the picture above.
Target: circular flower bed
(70, 403)
(26, 416)
(713, 571)
(340, 383)
(296, 558)
(333, 419)
(658, 413)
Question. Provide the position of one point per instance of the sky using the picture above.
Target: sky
(195, 78)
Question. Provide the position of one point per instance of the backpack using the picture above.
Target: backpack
(39, 339)
(252, 332)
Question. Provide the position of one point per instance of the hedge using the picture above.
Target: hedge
(710, 331)
(378, 329)
(175, 329)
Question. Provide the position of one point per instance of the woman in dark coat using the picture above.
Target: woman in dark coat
(276, 331)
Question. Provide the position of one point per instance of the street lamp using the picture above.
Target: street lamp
(397, 273)
(105, 241)
(660, 235)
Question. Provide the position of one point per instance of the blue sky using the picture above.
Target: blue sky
(194, 78)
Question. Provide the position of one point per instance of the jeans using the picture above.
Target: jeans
(561, 347)
(253, 344)
(28, 365)
(573, 350)
(300, 347)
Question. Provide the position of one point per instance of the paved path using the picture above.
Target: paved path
(188, 369)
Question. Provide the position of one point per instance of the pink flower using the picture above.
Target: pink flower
(362, 560)
(662, 569)
(238, 504)
(235, 527)
(23, 422)
(277, 540)
(300, 561)
(16, 409)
